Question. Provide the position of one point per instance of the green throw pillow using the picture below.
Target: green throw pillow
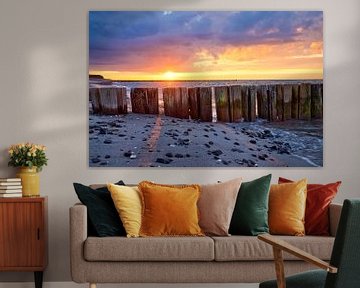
(103, 219)
(250, 216)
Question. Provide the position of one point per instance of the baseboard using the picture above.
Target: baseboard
(74, 285)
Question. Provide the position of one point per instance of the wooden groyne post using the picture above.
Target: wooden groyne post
(305, 101)
(235, 103)
(316, 101)
(222, 103)
(176, 102)
(290, 101)
(108, 100)
(145, 100)
(287, 94)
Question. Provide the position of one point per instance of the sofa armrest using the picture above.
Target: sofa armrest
(334, 217)
(78, 235)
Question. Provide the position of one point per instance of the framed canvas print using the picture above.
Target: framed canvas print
(205, 89)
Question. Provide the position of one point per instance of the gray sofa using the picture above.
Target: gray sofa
(234, 259)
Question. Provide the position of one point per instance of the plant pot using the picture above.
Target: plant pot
(30, 181)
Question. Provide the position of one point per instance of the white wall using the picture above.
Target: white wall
(43, 90)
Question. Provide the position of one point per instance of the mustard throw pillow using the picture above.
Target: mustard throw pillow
(169, 210)
(127, 201)
(287, 204)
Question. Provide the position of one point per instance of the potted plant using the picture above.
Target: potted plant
(30, 158)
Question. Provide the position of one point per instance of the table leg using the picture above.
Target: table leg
(38, 279)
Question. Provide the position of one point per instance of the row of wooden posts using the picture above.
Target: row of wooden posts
(233, 103)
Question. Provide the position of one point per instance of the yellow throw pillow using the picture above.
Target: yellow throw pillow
(127, 201)
(287, 204)
(169, 210)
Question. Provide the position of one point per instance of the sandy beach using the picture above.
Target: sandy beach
(136, 140)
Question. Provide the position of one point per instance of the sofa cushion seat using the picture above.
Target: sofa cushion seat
(149, 249)
(249, 248)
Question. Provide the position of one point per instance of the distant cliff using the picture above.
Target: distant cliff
(96, 77)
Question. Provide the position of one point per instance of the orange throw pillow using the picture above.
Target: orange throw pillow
(169, 210)
(319, 197)
(287, 204)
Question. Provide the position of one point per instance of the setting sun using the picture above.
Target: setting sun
(169, 75)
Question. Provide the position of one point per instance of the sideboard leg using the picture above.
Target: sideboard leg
(38, 279)
(92, 285)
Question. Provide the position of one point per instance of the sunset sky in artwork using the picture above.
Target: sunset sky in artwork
(190, 45)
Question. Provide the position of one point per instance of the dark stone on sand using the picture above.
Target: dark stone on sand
(237, 150)
(186, 133)
(268, 133)
(207, 145)
(178, 155)
(226, 138)
(91, 131)
(207, 136)
(254, 155)
(216, 134)
(188, 155)
(95, 160)
(170, 155)
(102, 131)
(182, 142)
(263, 156)
(211, 143)
(206, 130)
(252, 141)
(237, 143)
(114, 124)
(103, 163)
(107, 141)
(223, 132)
(107, 156)
(127, 154)
(283, 150)
(217, 152)
(163, 161)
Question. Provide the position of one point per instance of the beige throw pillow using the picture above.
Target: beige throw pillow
(216, 206)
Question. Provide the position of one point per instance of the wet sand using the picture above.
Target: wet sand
(136, 140)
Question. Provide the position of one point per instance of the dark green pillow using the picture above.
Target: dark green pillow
(250, 216)
(103, 218)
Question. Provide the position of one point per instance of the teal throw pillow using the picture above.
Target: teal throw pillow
(103, 219)
(250, 216)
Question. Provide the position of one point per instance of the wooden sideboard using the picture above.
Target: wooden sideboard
(23, 235)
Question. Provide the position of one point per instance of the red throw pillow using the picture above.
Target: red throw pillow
(319, 197)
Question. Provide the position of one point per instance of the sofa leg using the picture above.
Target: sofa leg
(92, 285)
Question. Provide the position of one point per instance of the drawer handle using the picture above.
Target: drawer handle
(38, 234)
